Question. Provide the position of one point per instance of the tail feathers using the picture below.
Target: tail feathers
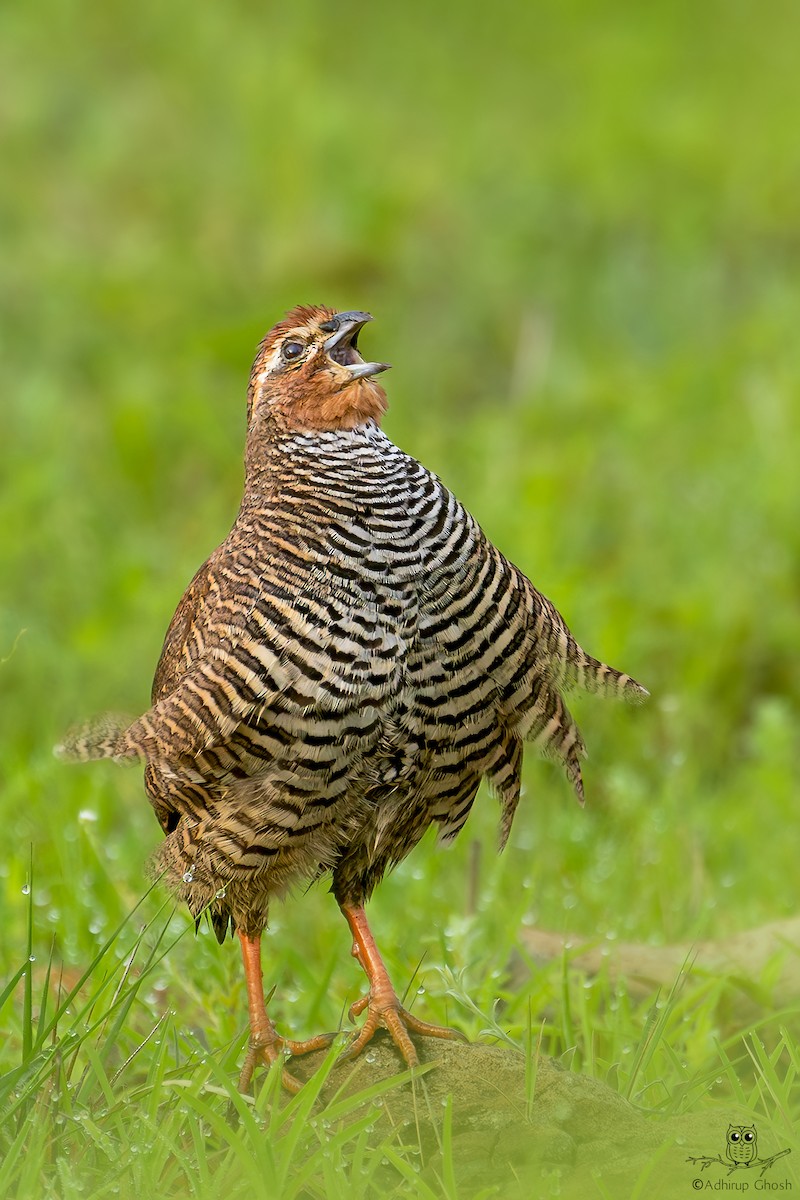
(102, 737)
(597, 677)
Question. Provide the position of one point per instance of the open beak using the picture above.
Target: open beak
(341, 346)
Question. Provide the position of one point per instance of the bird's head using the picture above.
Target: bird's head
(308, 373)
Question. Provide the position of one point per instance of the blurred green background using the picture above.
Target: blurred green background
(577, 227)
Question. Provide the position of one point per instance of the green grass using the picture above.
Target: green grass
(576, 227)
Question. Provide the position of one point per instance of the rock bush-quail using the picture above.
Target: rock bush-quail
(342, 672)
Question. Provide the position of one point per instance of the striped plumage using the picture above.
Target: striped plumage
(348, 665)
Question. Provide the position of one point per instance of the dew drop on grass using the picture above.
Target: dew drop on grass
(26, 889)
(370, 1056)
(188, 876)
(87, 814)
(220, 895)
(377, 1102)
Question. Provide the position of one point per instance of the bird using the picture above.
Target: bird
(342, 673)
(742, 1144)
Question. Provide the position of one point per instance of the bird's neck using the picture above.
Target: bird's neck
(316, 456)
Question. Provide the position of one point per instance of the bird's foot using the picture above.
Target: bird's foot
(384, 1011)
(271, 1049)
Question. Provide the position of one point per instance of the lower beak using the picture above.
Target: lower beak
(341, 345)
(362, 370)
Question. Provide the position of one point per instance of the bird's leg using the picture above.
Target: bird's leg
(266, 1046)
(384, 1009)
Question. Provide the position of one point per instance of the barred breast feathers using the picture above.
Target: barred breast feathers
(298, 607)
(351, 566)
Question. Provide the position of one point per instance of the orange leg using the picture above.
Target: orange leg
(384, 1009)
(266, 1046)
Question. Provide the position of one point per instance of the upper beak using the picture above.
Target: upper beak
(344, 329)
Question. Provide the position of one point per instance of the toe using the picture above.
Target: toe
(397, 1026)
(423, 1029)
(289, 1081)
(363, 1036)
(321, 1042)
(357, 1007)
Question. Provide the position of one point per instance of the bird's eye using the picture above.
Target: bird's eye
(748, 1137)
(291, 351)
(735, 1137)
